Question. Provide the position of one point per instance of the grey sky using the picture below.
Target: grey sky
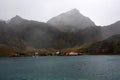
(102, 12)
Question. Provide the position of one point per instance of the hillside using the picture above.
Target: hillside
(110, 45)
(111, 30)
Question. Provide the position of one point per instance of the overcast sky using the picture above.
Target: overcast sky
(102, 12)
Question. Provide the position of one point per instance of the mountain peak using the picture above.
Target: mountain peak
(74, 10)
(16, 20)
(72, 19)
(16, 17)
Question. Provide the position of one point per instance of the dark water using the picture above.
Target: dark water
(60, 68)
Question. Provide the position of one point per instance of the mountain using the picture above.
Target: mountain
(79, 37)
(98, 40)
(44, 35)
(16, 20)
(110, 45)
(19, 32)
(64, 31)
(35, 34)
(22, 33)
(112, 29)
(71, 20)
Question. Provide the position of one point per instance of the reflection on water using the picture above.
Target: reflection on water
(60, 68)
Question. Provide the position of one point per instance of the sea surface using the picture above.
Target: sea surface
(86, 67)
